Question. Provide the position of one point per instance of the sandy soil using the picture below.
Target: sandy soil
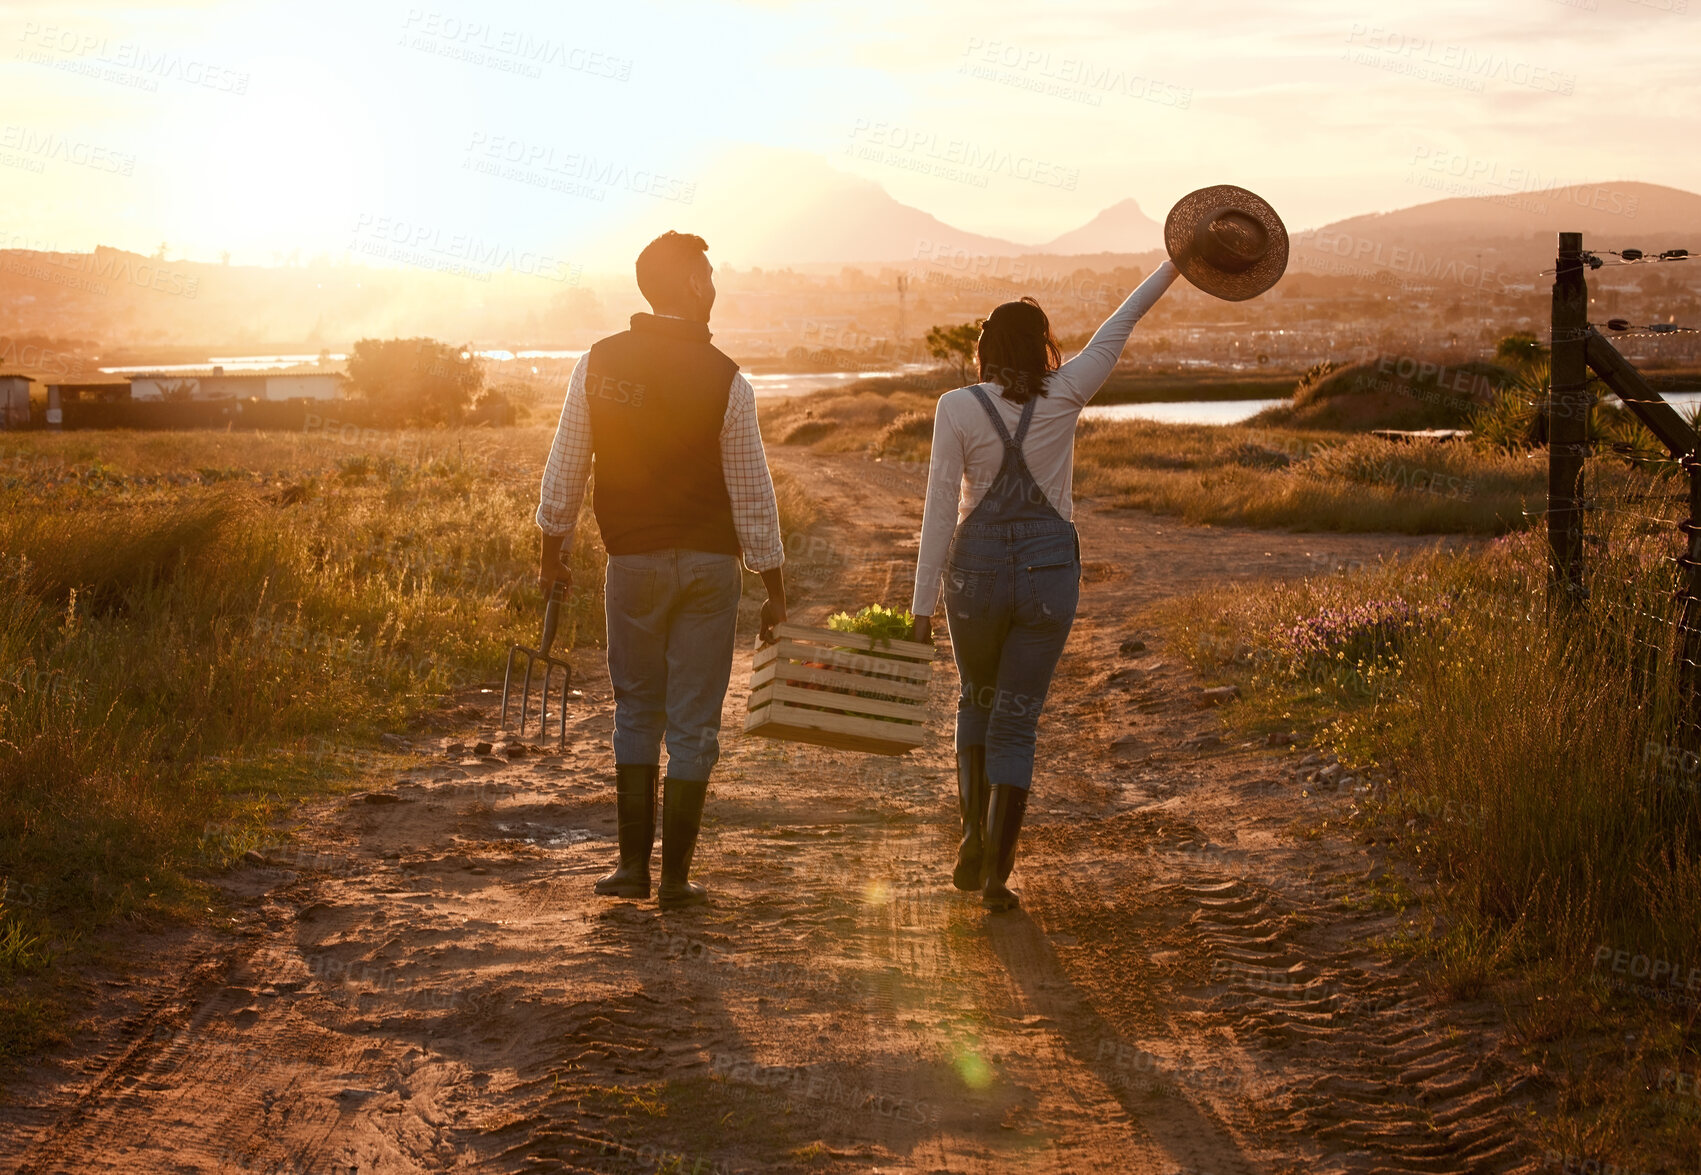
(425, 982)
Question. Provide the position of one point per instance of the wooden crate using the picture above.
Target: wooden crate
(804, 688)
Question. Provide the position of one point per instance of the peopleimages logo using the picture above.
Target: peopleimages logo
(1403, 259)
(910, 147)
(569, 172)
(508, 49)
(146, 64)
(1450, 64)
(103, 267)
(21, 353)
(466, 254)
(1460, 173)
(48, 146)
(1074, 78)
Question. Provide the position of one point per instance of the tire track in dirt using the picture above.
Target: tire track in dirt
(141, 1044)
(1401, 1088)
(1342, 1058)
(1187, 989)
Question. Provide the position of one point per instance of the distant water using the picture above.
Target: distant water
(773, 385)
(232, 363)
(778, 385)
(1684, 402)
(1183, 411)
(511, 356)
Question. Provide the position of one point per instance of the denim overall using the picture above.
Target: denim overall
(1012, 582)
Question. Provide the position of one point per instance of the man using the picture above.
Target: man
(682, 490)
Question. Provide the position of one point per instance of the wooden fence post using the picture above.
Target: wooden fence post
(1681, 441)
(1567, 424)
(1689, 615)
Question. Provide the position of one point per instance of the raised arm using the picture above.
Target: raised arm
(1080, 378)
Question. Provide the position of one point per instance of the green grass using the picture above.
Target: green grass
(200, 629)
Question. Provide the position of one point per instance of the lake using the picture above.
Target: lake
(769, 385)
(1182, 411)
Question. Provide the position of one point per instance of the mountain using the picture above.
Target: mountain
(792, 210)
(1489, 240)
(776, 208)
(1121, 228)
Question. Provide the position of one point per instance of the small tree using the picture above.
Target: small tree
(416, 381)
(955, 345)
(1519, 349)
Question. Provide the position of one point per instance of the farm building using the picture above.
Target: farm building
(258, 385)
(100, 391)
(14, 401)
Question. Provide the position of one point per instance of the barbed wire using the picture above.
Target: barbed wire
(1633, 256)
(1623, 327)
(1596, 258)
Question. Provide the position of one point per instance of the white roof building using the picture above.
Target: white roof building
(241, 385)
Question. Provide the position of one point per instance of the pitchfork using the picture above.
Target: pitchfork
(534, 658)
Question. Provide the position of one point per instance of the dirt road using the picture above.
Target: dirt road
(1193, 986)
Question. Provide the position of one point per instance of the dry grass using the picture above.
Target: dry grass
(197, 629)
(1270, 478)
(841, 421)
(1226, 476)
(1530, 782)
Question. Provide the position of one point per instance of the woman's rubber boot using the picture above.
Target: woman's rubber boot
(682, 816)
(635, 818)
(1004, 814)
(971, 802)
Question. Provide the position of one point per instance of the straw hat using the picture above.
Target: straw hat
(1227, 241)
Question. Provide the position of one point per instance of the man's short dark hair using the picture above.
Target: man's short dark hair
(666, 263)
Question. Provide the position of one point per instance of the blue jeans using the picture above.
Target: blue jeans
(671, 616)
(1010, 595)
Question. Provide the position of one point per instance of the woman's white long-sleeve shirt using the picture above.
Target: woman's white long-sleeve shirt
(967, 450)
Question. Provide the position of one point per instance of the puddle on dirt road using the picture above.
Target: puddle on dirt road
(546, 837)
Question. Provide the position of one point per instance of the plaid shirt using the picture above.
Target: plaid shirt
(755, 513)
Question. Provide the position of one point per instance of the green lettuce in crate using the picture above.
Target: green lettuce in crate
(881, 624)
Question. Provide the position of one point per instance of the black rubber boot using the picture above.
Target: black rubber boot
(635, 817)
(971, 803)
(1004, 814)
(682, 816)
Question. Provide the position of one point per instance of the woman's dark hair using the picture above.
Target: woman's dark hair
(1017, 350)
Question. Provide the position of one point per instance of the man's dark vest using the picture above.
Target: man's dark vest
(657, 395)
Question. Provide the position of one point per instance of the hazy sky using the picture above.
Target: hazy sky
(271, 129)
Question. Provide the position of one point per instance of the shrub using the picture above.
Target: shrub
(1311, 383)
(1553, 732)
(178, 651)
(907, 438)
(808, 431)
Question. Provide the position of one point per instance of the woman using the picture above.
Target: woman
(1003, 456)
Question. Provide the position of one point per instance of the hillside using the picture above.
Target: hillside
(1121, 228)
(1512, 237)
(1478, 250)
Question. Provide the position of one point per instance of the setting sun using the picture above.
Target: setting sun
(762, 586)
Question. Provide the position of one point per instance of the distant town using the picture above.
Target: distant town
(1446, 280)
